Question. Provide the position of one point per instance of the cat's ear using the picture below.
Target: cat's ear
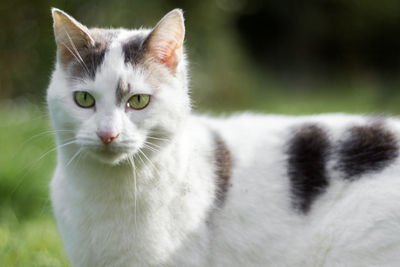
(165, 42)
(70, 36)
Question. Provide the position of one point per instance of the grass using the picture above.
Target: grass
(28, 235)
(30, 242)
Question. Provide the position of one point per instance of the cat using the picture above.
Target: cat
(142, 181)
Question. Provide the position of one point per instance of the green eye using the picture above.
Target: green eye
(84, 99)
(139, 101)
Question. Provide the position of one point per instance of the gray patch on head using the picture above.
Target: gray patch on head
(134, 48)
(92, 56)
(123, 89)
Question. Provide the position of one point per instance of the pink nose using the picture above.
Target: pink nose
(107, 136)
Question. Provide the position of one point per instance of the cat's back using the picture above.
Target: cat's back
(349, 145)
(323, 184)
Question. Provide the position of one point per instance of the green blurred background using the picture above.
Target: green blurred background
(287, 56)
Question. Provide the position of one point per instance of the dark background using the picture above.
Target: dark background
(281, 56)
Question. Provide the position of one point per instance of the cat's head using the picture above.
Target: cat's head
(116, 91)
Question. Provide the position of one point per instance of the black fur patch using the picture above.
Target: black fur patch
(308, 154)
(223, 161)
(368, 148)
(93, 55)
(93, 58)
(133, 49)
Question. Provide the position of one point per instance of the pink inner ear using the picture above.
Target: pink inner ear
(166, 40)
(166, 52)
(166, 44)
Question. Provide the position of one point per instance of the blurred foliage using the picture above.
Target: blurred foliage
(241, 51)
(24, 161)
(293, 57)
(32, 242)
(28, 235)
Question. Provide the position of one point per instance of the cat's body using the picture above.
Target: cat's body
(248, 190)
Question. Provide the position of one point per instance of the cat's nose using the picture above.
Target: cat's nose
(107, 136)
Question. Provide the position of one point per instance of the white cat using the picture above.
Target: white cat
(140, 181)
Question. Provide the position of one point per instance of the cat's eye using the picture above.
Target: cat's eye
(84, 99)
(139, 101)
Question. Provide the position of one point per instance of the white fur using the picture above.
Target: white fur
(164, 214)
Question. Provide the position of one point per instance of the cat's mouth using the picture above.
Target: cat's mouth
(110, 155)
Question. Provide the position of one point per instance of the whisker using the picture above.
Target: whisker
(158, 138)
(151, 165)
(77, 59)
(74, 156)
(30, 166)
(21, 146)
(44, 133)
(147, 166)
(77, 52)
(152, 144)
(150, 162)
(57, 147)
(135, 191)
(143, 163)
(80, 155)
(151, 148)
(45, 206)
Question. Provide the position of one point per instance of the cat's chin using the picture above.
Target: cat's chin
(109, 157)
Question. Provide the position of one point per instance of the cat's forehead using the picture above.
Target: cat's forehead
(130, 41)
(92, 59)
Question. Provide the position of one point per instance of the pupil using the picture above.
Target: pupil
(84, 96)
(138, 98)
